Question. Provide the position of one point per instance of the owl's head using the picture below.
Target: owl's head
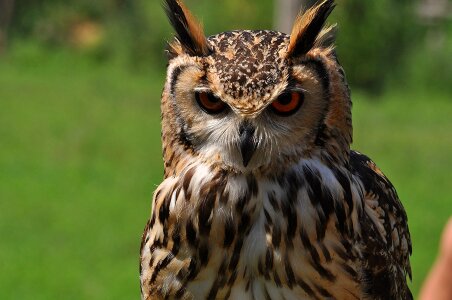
(255, 101)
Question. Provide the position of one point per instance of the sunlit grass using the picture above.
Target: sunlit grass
(80, 156)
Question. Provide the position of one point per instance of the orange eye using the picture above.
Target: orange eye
(209, 103)
(287, 103)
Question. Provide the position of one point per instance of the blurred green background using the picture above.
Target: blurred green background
(80, 156)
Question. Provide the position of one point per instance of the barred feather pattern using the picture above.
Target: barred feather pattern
(313, 232)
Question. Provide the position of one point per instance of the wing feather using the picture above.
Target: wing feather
(385, 235)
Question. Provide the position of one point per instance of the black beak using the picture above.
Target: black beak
(247, 142)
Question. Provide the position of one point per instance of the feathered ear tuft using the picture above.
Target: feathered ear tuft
(307, 28)
(190, 36)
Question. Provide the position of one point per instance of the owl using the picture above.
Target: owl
(262, 197)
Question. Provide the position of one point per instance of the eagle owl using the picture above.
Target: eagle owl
(262, 197)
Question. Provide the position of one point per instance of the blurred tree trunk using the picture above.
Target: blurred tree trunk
(287, 11)
(6, 12)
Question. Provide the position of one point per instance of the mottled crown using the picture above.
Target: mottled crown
(249, 65)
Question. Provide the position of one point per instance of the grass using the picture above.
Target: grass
(80, 158)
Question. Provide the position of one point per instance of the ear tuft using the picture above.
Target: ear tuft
(307, 29)
(189, 32)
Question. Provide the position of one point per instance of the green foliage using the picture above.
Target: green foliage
(429, 65)
(374, 37)
(379, 42)
(133, 31)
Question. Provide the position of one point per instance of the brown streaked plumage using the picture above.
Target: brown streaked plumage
(262, 196)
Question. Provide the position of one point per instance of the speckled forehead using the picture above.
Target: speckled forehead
(248, 66)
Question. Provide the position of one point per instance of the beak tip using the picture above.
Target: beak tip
(247, 153)
(247, 142)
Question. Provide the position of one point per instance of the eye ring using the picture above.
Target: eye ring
(287, 103)
(209, 103)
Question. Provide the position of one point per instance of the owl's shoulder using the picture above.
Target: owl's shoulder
(385, 234)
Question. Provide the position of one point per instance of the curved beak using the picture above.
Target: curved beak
(248, 143)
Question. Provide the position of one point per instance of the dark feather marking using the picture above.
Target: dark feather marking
(157, 194)
(324, 272)
(190, 234)
(236, 254)
(151, 261)
(184, 137)
(176, 240)
(193, 269)
(219, 280)
(350, 270)
(207, 196)
(161, 265)
(252, 185)
(276, 236)
(164, 243)
(347, 246)
(308, 246)
(320, 200)
(260, 267)
(268, 219)
(276, 279)
(318, 65)
(273, 202)
(291, 217)
(151, 224)
(266, 294)
(228, 294)
(289, 273)
(341, 253)
(174, 77)
(186, 183)
(341, 217)
(232, 278)
(324, 292)
(164, 207)
(321, 137)
(243, 200)
(305, 287)
(182, 274)
(229, 232)
(203, 253)
(320, 68)
(180, 292)
(325, 252)
(144, 237)
(224, 197)
(244, 224)
(268, 261)
(247, 286)
(345, 183)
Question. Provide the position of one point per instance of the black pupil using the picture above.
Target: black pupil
(212, 98)
(285, 99)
